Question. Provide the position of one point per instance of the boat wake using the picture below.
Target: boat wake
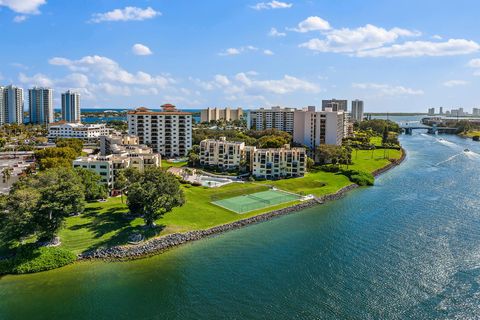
(449, 159)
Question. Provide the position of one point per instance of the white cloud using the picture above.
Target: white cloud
(222, 80)
(437, 37)
(455, 83)
(475, 63)
(313, 23)
(275, 33)
(451, 47)
(38, 79)
(104, 70)
(237, 51)
(23, 6)
(353, 40)
(387, 90)
(125, 14)
(19, 19)
(141, 50)
(271, 5)
(268, 52)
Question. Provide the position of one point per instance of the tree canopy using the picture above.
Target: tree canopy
(155, 193)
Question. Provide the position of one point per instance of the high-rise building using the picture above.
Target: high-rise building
(313, 128)
(335, 105)
(215, 114)
(168, 132)
(71, 106)
(11, 105)
(431, 111)
(273, 118)
(357, 110)
(441, 111)
(40, 105)
(476, 112)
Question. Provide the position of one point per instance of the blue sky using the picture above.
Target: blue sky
(395, 55)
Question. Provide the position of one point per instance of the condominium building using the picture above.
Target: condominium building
(11, 105)
(40, 105)
(279, 163)
(77, 130)
(335, 105)
(357, 110)
(313, 128)
(138, 157)
(101, 165)
(117, 143)
(274, 118)
(476, 112)
(71, 106)
(263, 163)
(168, 132)
(215, 114)
(221, 153)
(431, 111)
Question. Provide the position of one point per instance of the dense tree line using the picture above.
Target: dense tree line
(378, 126)
(61, 156)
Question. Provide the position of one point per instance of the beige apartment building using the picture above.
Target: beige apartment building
(279, 163)
(313, 128)
(168, 132)
(221, 153)
(262, 163)
(215, 114)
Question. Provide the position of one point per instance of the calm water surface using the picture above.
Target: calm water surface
(408, 248)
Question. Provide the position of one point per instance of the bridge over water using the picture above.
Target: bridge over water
(408, 128)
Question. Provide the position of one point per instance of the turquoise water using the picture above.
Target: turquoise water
(407, 248)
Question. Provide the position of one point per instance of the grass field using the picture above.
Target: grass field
(104, 223)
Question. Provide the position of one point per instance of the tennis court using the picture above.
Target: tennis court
(255, 201)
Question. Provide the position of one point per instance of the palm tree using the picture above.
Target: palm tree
(6, 174)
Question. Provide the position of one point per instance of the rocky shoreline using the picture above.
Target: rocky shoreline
(160, 244)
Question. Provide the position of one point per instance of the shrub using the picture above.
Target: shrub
(361, 178)
(196, 184)
(30, 259)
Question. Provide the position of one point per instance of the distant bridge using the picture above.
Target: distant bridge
(408, 129)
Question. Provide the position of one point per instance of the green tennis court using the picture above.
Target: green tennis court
(255, 201)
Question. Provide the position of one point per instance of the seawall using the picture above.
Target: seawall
(157, 245)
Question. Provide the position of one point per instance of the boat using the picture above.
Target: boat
(466, 150)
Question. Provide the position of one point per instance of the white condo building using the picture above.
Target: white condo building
(71, 106)
(335, 105)
(77, 130)
(274, 118)
(168, 132)
(11, 105)
(313, 128)
(40, 105)
(221, 153)
(357, 110)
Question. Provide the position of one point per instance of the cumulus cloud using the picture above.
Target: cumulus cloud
(451, 47)
(125, 14)
(271, 5)
(141, 50)
(38, 79)
(107, 69)
(237, 51)
(23, 6)
(313, 23)
(387, 90)
(455, 83)
(275, 33)
(353, 40)
(475, 63)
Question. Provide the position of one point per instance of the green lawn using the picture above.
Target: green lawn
(376, 141)
(167, 165)
(104, 223)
